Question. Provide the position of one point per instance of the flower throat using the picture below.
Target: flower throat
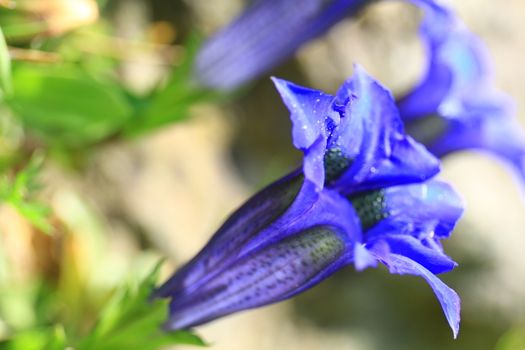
(370, 206)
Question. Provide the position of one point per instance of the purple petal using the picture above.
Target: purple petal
(432, 259)
(456, 106)
(421, 210)
(438, 25)
(363, 259)
(458, 66)
(266, 276)
(357, 137)
(310, 208)
(491, 131)
(308, 110)
(409, 220)
(257, 226)
(257, 213)
(371, 133)
(263, 36)
(447, 297)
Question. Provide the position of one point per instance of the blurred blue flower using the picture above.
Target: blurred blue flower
(456, 106)
(362, 197)
(264, 35)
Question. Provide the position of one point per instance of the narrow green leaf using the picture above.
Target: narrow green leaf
(130, 320)
(6, 83)
(19, 191)
(57, 339)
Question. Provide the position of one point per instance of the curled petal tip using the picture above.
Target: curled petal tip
(447, 297)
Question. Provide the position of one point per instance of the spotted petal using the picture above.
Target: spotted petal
(256, 214)
(294, 253)
(411, 220)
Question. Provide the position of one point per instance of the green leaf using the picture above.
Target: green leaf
(171, 102)
(57, 339)
(18, 26)
(65, 106)
(130, 320)
(48, 338)
(36, 213)
(20, 192)
(34, 339)
(165, 108)
(6, 84)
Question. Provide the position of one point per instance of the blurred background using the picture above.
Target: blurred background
(99, 202)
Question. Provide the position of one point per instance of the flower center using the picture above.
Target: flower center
(335, 164)
(370, 207)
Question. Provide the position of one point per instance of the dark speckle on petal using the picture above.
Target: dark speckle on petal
(370, 207)
(273, 274)
(335, 164)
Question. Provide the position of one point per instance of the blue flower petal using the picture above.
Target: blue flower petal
(274, 214)
(265, 34)
(309, 109)
(299, 249)
(447, 297)
(433, 260)
(421, 210)
(363, 258)
(410, 220)
(361, 125)
(435, 30)
(456, 106)
(265, 276)
(311, 208)
(256, 214)
(372, 134)
(458, 65)
(487, 130)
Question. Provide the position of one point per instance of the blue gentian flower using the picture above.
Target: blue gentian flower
(264, 35)
(364, 195)
(456, 106)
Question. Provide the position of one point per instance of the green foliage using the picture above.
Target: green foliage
(18, 26)
(128, 321)
(62, 94)
(66, 106)
(5, 67)
(131, 321)
(171, 102)
(73, 106)
(52, 338)
(165, 107)
(20, 191)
